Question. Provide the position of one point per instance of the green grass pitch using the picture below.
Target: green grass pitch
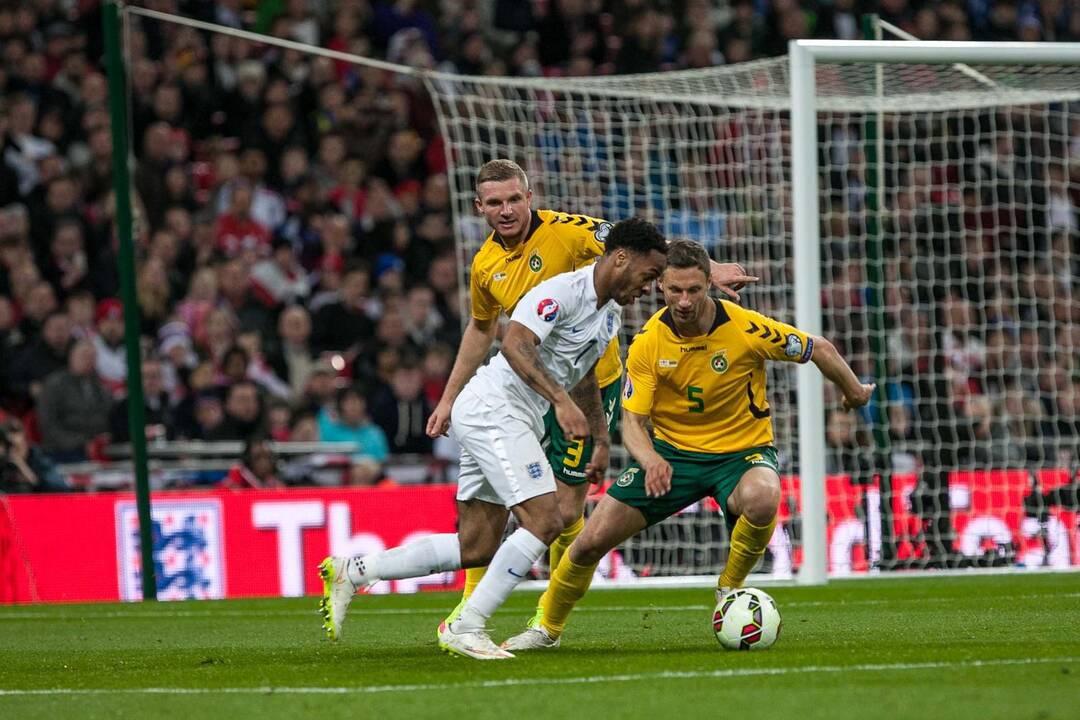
(949, 647)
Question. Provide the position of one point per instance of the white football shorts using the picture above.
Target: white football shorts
(501, 459)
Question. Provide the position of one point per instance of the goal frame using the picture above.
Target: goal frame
(803, 57)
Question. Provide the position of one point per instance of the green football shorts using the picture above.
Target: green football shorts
(568, 458)
(694, 476)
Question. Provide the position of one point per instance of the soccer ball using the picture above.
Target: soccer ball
(746, 619)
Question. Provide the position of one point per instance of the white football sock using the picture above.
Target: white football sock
(434, 553)
(510, 565)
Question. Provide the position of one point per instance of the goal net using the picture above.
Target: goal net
(948, 270)
(949, 274)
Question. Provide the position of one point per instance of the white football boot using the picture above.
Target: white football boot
(533, 638)
(338, 591)
(473, 643)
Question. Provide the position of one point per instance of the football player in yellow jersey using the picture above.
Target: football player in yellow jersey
(697, 372)
(526, 247)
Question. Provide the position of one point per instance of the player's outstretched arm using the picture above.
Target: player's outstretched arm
(520, 349)
(638, 442)
(586, 395)
(729, 278)
(835, 368)
(474, 349)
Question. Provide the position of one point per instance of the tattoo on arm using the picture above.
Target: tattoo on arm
(525, 361)
(586, 394)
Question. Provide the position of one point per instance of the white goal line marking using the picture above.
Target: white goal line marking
(162, 614)
(536, 682)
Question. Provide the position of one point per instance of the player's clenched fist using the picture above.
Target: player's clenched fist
(860, 397)
(597, 467)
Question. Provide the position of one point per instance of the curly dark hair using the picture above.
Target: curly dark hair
(687, 254)
(636, 235)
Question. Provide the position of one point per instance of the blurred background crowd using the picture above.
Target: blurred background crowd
(296, 266)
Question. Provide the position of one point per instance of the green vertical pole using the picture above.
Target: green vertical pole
(122, 190)
(875, 275)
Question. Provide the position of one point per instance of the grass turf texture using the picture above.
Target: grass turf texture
(970, 647)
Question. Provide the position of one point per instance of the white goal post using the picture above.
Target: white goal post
(803, 58)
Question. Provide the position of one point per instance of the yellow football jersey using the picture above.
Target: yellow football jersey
(707, 393)
(557, 242)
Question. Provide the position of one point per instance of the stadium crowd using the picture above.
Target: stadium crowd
(296, 267)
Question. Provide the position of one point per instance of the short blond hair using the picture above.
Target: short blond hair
(500, 170)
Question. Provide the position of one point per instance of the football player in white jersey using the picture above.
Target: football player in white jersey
(556, 334)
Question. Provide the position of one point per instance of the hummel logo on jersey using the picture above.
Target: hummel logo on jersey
(548, 309)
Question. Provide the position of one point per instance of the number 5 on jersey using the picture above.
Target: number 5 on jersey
(697, 403)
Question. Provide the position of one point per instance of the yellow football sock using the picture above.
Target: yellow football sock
(567, 585)
(563, 542)
(473, 576)
(748, 543)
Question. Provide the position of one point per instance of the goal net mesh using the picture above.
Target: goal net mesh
(949, 266)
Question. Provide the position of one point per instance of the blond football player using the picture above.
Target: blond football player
(525, 248)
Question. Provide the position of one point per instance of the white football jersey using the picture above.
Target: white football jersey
(573, 334)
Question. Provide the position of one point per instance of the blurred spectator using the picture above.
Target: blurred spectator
(258, 369)
(153, 293)
(209, 415)
(74, 407)
(320, 389)
(257, 469)
(109, 345)
(848, 447)
(237, 232)
(243, 413)
(304, 427)
(41, 357)
(350, 423)
(234, 287)
(345, 325)
(437, 363)
(423, 323)
(280, 280)
(294, 359)
(160, 423)
(24, 467)
(401, 409)
(278, 421)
